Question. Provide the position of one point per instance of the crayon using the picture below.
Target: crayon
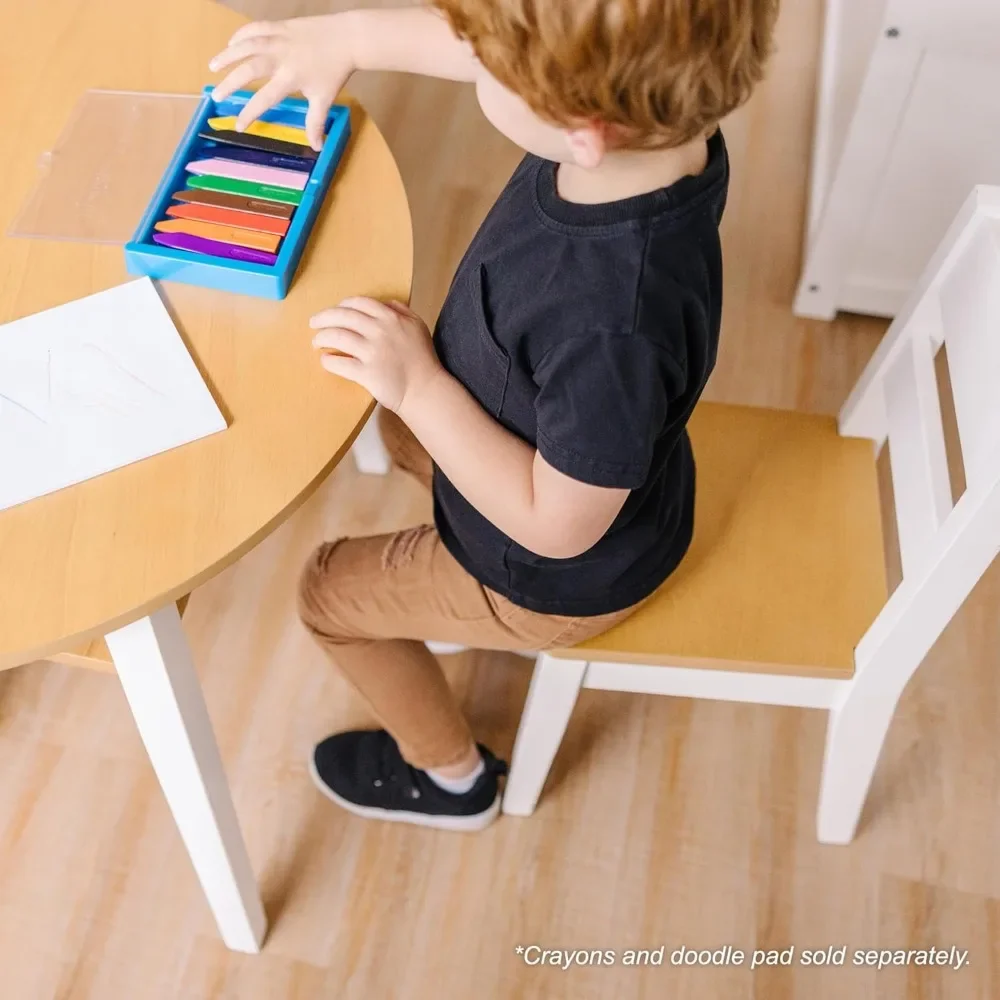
(240, 202)
(269, 192)
(196, 244)
(224, 234)
(219, 166)
(229, 217)
(266, 130)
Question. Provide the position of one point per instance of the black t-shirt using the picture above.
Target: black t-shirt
(589, 331)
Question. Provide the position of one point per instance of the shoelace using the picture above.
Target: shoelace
(392, 768)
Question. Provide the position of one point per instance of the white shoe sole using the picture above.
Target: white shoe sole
(458, 824)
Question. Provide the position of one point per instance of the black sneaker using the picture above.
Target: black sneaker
(365, 773)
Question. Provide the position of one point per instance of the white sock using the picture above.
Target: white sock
(458, 786)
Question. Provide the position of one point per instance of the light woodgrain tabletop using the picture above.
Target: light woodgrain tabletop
(88, 559)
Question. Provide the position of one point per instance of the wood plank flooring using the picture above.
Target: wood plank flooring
(665, 821)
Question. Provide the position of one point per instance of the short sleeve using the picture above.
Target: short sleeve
(602, 403)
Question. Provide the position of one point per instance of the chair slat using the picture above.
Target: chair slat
(917, 453)
(863, 413)
(970, 309)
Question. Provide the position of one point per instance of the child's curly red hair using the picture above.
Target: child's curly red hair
(659, 72)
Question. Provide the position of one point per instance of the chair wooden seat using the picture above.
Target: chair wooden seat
(93, 654)
(786, 571)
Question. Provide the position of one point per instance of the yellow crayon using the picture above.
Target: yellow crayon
(268, 130)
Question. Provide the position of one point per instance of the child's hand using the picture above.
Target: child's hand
(384, 347)
(309, 54)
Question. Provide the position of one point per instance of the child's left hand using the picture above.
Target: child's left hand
(385, 347)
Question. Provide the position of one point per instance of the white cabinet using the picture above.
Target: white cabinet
(907, 123)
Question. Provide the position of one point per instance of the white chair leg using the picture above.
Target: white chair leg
(157, 672)
(555, 685)
(444, 648)
(855, 733)
(368, 450)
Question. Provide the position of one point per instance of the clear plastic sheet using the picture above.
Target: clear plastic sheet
(96, 183)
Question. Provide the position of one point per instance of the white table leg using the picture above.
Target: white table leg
(157, 672)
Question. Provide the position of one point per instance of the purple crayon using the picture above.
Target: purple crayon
(198, 244)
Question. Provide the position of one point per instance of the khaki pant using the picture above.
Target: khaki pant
(371, 601)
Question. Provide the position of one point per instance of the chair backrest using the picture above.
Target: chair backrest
(956, 303)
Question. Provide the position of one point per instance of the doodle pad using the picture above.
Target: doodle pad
(94, 385)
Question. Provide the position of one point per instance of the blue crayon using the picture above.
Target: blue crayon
(259, 156)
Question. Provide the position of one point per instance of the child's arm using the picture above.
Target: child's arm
(387, 349)
(317, 55)
(504, 478)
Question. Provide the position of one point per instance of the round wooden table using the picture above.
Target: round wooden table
(109, 557)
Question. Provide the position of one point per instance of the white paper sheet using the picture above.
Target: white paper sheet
(93, 385)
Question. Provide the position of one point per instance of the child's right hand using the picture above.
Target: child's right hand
(312, 55)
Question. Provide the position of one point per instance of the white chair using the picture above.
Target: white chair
(368, 451)
(782, 597)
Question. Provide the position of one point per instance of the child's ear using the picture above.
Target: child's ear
(588, 144)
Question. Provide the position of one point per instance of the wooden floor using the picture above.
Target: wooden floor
(665, 822)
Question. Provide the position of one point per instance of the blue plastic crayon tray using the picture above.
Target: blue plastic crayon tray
(271, 281)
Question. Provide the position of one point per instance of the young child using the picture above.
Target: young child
(548, 414)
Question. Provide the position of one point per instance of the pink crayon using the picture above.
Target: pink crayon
(218, 166)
